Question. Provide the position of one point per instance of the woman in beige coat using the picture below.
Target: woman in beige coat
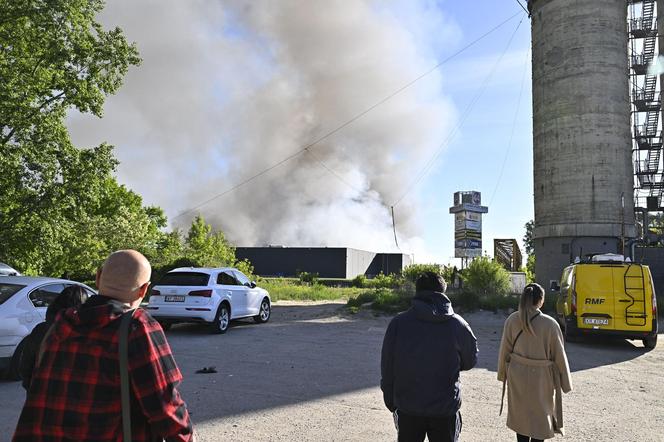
(533, 364)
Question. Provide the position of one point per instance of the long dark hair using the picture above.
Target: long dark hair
(532, 295)
(71, 296)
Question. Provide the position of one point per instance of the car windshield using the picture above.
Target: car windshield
(185, 278)
(8, 290)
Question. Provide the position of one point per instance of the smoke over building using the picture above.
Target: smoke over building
(228, 89)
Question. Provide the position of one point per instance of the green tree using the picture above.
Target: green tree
(60, 207)
(206, 246)
(484, 277)
(528, 237)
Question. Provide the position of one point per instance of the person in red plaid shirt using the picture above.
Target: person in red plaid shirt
(74, 394)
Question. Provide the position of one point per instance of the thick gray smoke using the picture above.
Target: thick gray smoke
(229, 88)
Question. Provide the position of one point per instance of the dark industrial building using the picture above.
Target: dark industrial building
(328, 262)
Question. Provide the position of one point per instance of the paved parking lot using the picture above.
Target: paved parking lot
(312, 374)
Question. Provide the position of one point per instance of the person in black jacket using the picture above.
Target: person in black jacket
(424, 350)
(71, 296)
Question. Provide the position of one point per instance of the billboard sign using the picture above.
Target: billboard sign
(468, 212)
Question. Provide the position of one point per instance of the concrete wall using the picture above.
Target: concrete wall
(581, 129)
(556, 253)
(654, 258)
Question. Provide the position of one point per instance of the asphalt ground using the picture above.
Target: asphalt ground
(312, 374)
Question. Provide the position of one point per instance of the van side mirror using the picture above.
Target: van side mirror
(252, 284)
(554, 286)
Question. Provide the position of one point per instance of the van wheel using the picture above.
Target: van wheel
(650, 343)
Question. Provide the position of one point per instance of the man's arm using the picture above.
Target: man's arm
(467, 346)
(387, 366)
(155, 377)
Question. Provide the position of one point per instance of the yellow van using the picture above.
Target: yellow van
(606, 295)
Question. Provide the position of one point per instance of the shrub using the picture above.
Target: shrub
(485, 276)
(382, 281)
(413, 271)
(308, 278)
(360, 281)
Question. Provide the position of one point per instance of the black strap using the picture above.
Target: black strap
(521, 331)
(123, 356)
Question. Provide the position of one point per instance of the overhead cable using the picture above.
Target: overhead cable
(516, 114)
(441, 147)
(348, 122)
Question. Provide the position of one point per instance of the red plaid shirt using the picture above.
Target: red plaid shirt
(74, 394)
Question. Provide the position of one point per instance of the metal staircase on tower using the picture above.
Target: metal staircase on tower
(646, 102)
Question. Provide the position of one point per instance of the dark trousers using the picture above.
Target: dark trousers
(437, 429)
(522, 438)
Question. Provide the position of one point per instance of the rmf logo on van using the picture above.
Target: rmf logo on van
(595, 300)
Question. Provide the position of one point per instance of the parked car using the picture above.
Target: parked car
(213, 296)
(23, 303)
(606, 295)
(6, 270)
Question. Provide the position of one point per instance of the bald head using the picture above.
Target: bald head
(124, 276)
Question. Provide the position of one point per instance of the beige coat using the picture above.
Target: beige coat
(535, 371)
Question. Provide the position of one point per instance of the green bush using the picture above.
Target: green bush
(413, 271)
(484, 277)
(360, 281)
(308, 278)
(382, 281)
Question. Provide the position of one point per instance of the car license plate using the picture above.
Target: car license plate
(595, 321)
(174, 298)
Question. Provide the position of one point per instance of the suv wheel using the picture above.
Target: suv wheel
(264, 312)
(222, 320)
(650, 342)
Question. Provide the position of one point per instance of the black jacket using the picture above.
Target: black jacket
(29, 352)
(423, 351)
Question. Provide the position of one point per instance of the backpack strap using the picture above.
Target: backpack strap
(123, 356)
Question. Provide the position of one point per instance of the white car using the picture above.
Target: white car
(23, 303)
(6, 270)
(210, 295)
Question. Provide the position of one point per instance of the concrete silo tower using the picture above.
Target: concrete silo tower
(583, 178)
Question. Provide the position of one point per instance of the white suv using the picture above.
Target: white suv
(212, 296)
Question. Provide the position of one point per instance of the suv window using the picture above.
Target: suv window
(8, 290)
(44, 295)
(225, 278)
(185, 278)
(241, 278)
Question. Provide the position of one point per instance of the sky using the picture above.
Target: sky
(229, 89)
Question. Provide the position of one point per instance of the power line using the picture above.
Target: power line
(348, 122)
(463, 119)
(523, 7)
(516, 114)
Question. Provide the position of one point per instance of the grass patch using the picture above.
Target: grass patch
(292, 290)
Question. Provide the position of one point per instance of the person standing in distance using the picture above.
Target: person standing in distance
(74, 393)
(424, 350)
(533, 365)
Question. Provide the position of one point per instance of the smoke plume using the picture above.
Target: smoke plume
(230, 88)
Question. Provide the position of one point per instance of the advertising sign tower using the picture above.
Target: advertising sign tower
(467, 211)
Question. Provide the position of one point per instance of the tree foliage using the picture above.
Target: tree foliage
(61, 209)
(528, 237)
(484, 277)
